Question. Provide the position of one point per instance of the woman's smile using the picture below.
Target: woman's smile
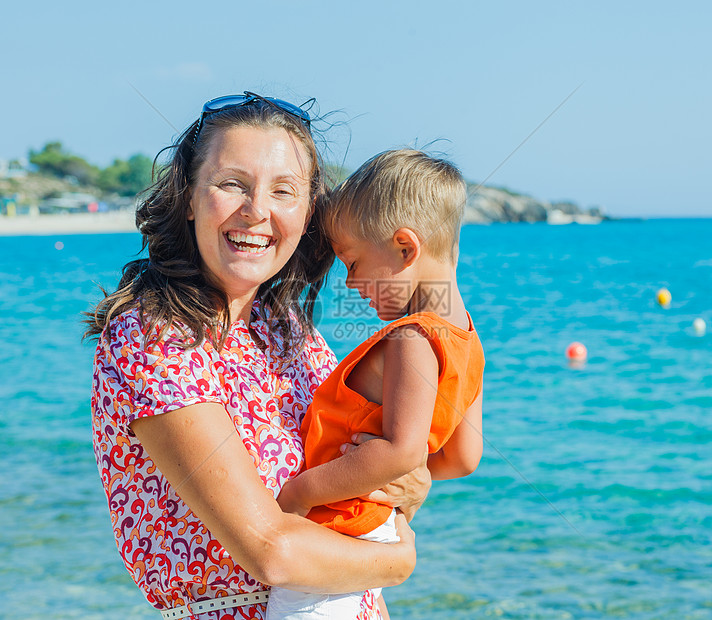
(249, 243)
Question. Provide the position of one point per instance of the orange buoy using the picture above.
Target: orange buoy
(576, 352)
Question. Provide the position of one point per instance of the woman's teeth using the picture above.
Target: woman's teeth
(248, 243)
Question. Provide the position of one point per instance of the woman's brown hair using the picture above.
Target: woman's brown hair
(170, 289)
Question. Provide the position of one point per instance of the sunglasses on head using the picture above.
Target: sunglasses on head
(235, 101)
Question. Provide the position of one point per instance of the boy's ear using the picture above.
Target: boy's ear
(408, 245)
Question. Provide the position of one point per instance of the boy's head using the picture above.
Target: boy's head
(397, 189)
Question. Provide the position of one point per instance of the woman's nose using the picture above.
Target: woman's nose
(255, 208)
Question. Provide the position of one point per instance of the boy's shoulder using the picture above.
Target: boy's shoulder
(409, 337)
(431, 324)
(410, 326)
(429, 330)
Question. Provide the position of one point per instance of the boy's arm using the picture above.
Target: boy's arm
(410, 380)
(461, 455)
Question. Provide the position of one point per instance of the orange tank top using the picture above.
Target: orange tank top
(337, 411)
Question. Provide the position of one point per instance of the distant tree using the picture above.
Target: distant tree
(110, 179)
(335, 173)
(124, 177)
(127, 178)
(55, 161)
(138, 177)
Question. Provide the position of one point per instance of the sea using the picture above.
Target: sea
(594, 495)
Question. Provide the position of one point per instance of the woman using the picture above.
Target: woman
(206, 363)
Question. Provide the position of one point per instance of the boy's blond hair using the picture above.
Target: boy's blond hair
(402, 188)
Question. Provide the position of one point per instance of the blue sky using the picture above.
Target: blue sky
(467, 79)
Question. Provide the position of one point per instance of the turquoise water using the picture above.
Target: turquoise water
(593, 497)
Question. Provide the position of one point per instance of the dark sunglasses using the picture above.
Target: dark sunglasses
(236, 101)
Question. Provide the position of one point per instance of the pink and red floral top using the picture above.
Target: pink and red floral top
(170, 554)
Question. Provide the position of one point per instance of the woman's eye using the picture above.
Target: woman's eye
(231, 184)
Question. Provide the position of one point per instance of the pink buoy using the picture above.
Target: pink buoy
(576, 352)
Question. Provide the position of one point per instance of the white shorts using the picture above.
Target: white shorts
(291, 605)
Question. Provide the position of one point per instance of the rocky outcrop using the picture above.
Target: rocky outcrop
(486, 205)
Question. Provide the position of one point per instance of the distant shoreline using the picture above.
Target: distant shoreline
(124, 222)
(68, 224)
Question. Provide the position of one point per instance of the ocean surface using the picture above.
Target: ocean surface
(594, 496)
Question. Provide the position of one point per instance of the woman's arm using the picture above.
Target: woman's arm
(203, 458)
(410, 379)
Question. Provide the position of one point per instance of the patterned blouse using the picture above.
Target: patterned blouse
(168, 551)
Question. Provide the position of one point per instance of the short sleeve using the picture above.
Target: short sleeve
(321, 358)
(137, 377)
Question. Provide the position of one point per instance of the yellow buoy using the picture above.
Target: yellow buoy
(664, 297)
(699, 326)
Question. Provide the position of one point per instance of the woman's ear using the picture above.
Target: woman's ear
(312, 209)
(408, 245)
(191, 215)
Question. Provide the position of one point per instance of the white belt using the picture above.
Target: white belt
(213, 604)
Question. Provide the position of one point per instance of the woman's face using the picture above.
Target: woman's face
(250, 205)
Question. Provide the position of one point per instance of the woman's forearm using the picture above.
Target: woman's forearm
(311, 558)
(199, 452)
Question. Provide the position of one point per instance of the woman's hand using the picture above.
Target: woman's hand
(403, 530)
(406, 493)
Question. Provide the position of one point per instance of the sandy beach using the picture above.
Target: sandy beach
(75, 224)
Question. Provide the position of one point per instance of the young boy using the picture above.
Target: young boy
(395, 225)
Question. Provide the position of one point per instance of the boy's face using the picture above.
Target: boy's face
(377, 271)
